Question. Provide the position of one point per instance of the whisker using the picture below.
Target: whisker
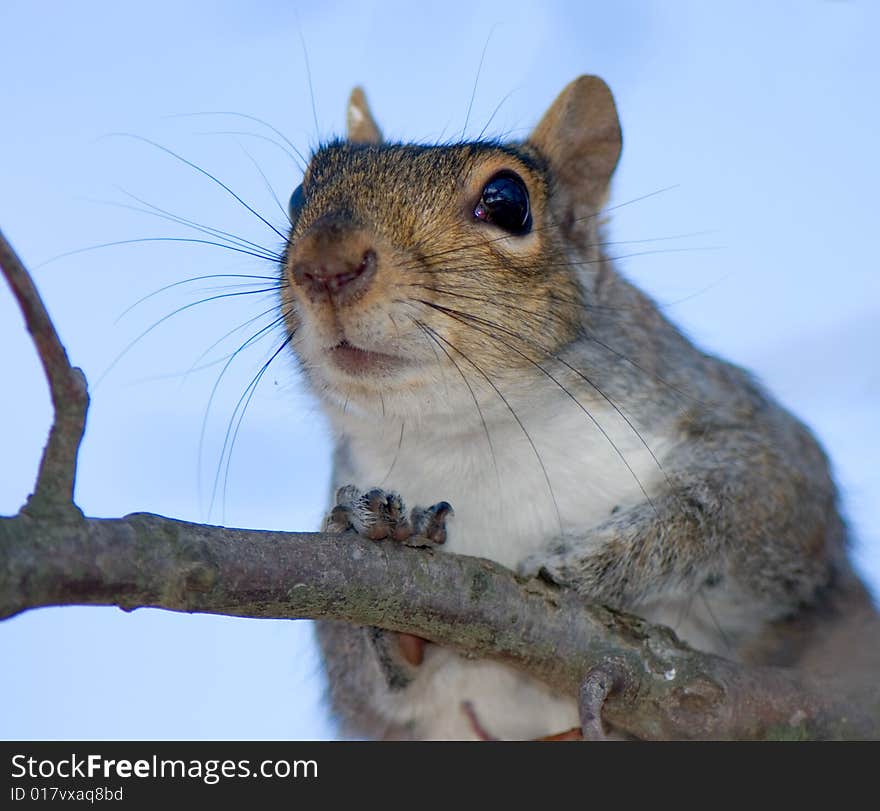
(639, 199)
(207, 174)
(262, 280)
(465, 318)
(600, 244)
(596, 214)
(156, 211)
(512, 296)
(404, 302)
(427, 331)
(246, 397)
(266, 182)
(203, 431)
(471, 268)
(308, 65)
(259, 121)
(724, 638)
(211, 364)
(672, 387)
(245, 134)
(699, 292)
(467, 117)
(396, 454)
(588, 334)
(518, 421)
(196, 368)
(190, 240)
(165, 318)
(494, 113)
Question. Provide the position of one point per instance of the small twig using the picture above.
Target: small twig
(53, 492)
(598, 684)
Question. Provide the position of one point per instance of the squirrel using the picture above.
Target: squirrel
(474, 349)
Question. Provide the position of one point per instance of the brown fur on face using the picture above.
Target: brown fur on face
(413, 207)
(448, 289)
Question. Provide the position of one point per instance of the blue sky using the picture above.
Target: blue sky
(762, 118)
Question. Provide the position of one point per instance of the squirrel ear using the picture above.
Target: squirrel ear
(580, 137)
(362, 128)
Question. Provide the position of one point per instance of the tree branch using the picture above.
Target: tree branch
(661, 688)
(636, 676)
(53, 492)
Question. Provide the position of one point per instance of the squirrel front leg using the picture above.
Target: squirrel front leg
(735, 507)
(382, 516)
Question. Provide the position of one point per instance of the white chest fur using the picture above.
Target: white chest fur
(513, 496)
(515, 488)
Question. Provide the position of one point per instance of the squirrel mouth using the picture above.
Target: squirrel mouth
(357, 361)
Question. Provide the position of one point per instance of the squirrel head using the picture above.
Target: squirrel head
(410, 267)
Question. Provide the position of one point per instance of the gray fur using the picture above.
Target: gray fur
(736, 528)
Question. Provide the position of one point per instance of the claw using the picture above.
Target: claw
(339, 520)
(430, 523)
(378, 515)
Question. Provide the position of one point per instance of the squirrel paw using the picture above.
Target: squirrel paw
(379, 515)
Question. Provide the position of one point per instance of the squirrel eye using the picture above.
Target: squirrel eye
(296, 202)
(505, 203)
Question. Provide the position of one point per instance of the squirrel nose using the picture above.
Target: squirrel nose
(335, 276)
(334, 261)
